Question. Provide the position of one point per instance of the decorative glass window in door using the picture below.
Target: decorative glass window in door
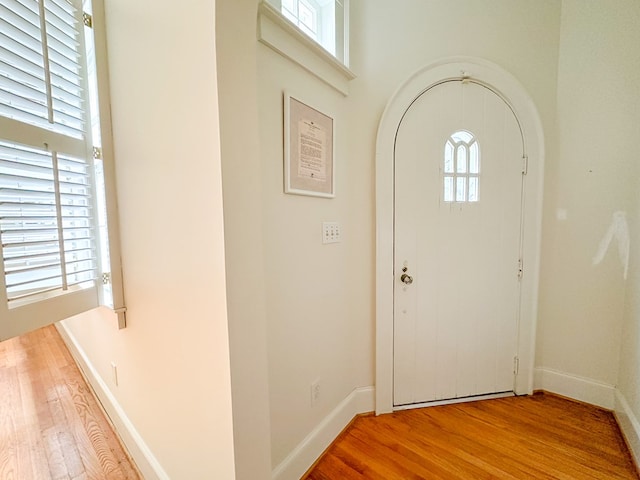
(461, 169)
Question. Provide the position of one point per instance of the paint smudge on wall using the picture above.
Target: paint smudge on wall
(619, 231)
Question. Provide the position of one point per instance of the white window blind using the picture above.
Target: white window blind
(45, 221)
(49, 190)
(41, 81)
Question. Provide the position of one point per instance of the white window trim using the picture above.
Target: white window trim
(108, 161)
(281, 35)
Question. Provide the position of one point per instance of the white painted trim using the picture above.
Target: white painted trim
(361, 400)
(132, 440)
(574, 386)
(629, 424)
(453, 401)
(282, 36)
(517, 97)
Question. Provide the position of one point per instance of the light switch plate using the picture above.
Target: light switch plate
(331, 232)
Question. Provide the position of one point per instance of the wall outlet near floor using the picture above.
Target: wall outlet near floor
(331, 232)
(315, 392)
(114, 373)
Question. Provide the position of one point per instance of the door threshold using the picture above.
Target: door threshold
(451, 401)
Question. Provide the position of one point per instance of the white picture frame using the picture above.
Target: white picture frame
(309, 149)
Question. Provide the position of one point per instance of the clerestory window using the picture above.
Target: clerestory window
(321, 20)
(461, 168)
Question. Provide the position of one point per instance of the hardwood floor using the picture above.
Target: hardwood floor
(538, 437)
(51, 426)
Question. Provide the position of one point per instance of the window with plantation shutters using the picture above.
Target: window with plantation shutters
(41, 71)
(45, 221)
(53, 242)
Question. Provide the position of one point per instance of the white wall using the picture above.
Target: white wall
(628, 33)
(581, 305)
(173, 357)
(309, 308)
(578, 61)
(242, 172)
(391, 41)
(311, 327)
(320, 298)
(628, 398)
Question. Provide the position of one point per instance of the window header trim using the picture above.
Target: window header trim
(279, 34)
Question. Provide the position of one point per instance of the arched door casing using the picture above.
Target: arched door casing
(510, 90)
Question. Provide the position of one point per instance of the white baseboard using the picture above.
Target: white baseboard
(576, 387)
(361, 400)
(629, 425)
(146, 462)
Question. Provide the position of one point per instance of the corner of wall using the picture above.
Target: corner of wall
(236, 51)
(579, 388)
(135, 445)
(629, 425)
(360, 400)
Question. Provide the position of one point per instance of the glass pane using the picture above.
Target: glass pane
(289, 5)
(462, 136)
(473, 189)
(307, 15)
(448, 189)
(448, 157)
(461, 189)
(290, 15)
(474, 160)
(461, 159)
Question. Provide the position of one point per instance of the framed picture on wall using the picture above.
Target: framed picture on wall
(308, 150)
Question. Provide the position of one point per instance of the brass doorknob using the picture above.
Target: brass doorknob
(406, 278)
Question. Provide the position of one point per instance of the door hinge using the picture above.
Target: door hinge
(516, 365)
(525, 164)
(520, 268)
(87, 19)
(106, 278)
(97, 153)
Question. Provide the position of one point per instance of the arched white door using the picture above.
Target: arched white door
(458, 167)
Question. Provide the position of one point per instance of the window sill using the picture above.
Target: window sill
(279, 34)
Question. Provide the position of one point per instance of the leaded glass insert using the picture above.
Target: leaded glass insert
(461, 168)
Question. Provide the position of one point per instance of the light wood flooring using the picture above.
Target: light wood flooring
(51, 427)
(538, 437)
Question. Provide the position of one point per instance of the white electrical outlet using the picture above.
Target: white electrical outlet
(315, 392)
(331, 232)
(114, 373)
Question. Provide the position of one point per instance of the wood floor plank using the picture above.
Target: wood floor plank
(51, 425)
(8, 457)
(92, 429)
(542, 436)
(29, 424)
(454, 447)
(474, 432)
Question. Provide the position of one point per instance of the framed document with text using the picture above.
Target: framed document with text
(308, 150)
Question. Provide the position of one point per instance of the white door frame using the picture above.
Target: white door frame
(523, 107)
